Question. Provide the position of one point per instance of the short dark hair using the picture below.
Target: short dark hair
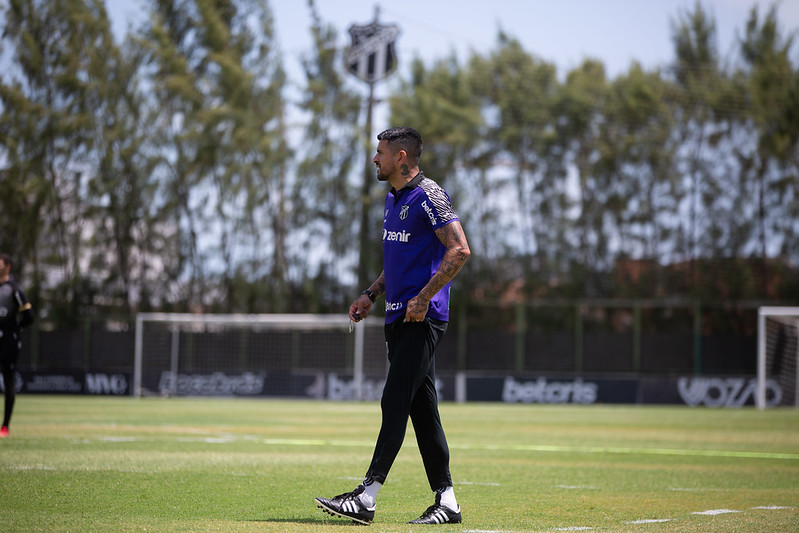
(404, 138)
(5, 258)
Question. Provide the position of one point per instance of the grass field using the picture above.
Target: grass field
(111, 464)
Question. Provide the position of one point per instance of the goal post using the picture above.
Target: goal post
(253, 354)
(777, 356)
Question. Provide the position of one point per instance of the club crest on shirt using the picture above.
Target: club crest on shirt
(403, 214)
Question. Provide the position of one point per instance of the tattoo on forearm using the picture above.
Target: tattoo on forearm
(379, 286)
(456, 255)
(450, 266)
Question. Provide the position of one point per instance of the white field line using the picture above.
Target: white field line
(771, 507)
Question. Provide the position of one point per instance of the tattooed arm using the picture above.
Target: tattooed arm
(453, 237)
(379, 286)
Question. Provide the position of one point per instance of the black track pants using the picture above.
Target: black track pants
(9, 353)
(410, 390)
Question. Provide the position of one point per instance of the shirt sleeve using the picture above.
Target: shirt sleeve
(442, 211)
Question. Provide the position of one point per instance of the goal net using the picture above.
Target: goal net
(315, 356)
(777, 357)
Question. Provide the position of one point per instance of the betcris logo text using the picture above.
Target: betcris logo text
(396, 236)
(542, 391)
(429, 211)
(394, 306)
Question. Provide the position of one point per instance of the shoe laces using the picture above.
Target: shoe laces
(350, 495)
(431, 510)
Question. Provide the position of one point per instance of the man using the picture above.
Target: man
(424, 247)
(15, 314)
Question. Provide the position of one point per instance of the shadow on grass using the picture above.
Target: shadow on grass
(301, 521)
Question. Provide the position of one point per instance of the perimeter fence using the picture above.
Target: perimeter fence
(597, 337)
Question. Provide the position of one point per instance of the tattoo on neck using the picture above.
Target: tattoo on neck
(405, 170)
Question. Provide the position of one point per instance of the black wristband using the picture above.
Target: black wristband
(370, 294)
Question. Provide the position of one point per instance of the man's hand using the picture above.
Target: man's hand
(360, 308)
(416, 309)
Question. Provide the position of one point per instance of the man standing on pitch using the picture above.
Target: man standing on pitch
(424, 247)
(15, 314)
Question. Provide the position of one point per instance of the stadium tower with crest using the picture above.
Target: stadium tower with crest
(371, 58)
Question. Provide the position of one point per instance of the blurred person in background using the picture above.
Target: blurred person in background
(15, 314)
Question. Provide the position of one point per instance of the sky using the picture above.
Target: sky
(563, 32)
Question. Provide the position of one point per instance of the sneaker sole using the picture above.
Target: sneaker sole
(332, 512)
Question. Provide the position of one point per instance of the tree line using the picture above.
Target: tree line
(180, 169)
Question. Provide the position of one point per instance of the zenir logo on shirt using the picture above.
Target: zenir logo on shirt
(396, 236)
(403, 214)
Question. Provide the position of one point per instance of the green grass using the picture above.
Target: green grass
(110, 464)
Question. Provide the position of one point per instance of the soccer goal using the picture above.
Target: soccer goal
(777, 356)
(316, 356)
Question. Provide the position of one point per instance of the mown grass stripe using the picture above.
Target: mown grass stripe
(639, 451)
(561, 449)
(545, 448)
